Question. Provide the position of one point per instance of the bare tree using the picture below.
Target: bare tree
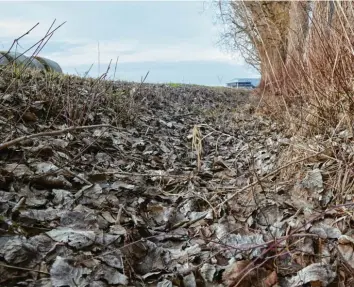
(237, 33)
(259, 31)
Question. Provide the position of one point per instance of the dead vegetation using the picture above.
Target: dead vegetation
(108, 183)
(111, 183)
(304, 51)
(155, 185)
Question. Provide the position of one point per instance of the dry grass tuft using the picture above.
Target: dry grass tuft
(66, 99)
(305, 53)
(313, 88)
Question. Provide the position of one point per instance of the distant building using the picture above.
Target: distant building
(245, 83)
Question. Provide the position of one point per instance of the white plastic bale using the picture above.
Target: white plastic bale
(51, 64)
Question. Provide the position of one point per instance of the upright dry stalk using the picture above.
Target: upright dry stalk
(304, 51)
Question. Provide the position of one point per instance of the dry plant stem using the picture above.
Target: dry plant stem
(264, 177)
(119, 214)
(280, 240)
(77, 176)
(22, 268)
(186, 224)
(19, 38)
(146, 174)
(50, 34)
(41, 45)
(80, 193)
(195, 268)
(19, 204)
(51, 133)
(247, 247)
(120, 248)
(46, 37)
(140, 85)
(344, 261)
(263, 190)
(115, 69)
(245, 188)
(94, 95)
(77, 156)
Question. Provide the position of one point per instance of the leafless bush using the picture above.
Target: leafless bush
(304, 51)
(305, 55)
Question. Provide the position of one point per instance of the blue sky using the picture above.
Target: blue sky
(176, 41)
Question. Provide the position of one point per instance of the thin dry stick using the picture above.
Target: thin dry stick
(94, 95)
(87, 72)
(19, 204)
(51, 133)
(24, 269)
(77, 176)
(144, 174)
(77, 156)
(46, 37)
(265, 177)
(140, 85)
(19, 38)
(98, 59)
(247, 247)
(40, 46)
(196, 267)
(115, 69)
(281, 239)
(38, 42)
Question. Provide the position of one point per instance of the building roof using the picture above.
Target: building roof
(255, 81)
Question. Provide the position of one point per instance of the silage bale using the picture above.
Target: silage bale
(50, 65)
(37, 64)
(32, 62)
(19, 59)
(3, 59)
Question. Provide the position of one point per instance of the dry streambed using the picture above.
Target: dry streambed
(183, 195)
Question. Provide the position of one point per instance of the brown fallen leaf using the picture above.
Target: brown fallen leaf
(271, 279)
(233, 275)
(29, 117)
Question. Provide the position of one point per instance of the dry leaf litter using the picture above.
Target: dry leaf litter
(164, 186)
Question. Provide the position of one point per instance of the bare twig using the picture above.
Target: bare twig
(22, 268)
(19, 38)
(265, 177)
(296, 230)
(115, 68)
(51, 133)
(145, 174)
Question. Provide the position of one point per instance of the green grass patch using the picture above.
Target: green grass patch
(175, 85)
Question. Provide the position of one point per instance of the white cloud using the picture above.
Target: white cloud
(11, 29)
(133, 52)
(110, 0)
(14, 28)
(85, 51)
